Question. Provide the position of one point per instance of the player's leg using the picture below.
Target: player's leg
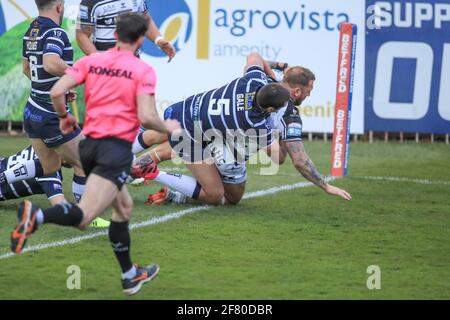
(57, 199)
(133, 276)
(205, 187)
(234, 192)
(233, 177)
(50, 160)
(69, 152)
(108, 163)
(212, 191)
(100, 193)
(16, 168)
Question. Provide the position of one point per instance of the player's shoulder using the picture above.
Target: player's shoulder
(292, 112)
(56, 32)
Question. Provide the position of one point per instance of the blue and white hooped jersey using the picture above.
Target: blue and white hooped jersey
(102, 15)
(44, 37)
(230, 108)
(51, 185)
(23, 155)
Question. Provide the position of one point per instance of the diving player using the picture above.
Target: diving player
(287, 122)
(236, 111)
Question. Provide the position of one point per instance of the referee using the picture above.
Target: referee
(97, 18)
(119, 90)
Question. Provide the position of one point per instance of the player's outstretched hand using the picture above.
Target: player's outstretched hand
(338, 192)
(172, 125)
(68, 124)
(168, 48)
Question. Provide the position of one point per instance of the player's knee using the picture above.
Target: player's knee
(126, 211)
(233, 200)
(216, 197)
(51, 166)
(123, 211)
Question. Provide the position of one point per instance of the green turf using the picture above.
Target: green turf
(299, 244)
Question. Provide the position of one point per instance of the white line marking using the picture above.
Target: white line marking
(399, 179)
(296, 175)
(157, 220)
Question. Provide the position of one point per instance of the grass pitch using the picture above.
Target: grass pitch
(295, 244)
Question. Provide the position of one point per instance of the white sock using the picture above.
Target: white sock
(78, 184)
(139, 144)
(21, 171)
(130, 274)
(179, 182)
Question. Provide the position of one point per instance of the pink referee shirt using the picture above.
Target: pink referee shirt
(112, 81)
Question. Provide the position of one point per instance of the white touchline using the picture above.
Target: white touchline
(157, 220)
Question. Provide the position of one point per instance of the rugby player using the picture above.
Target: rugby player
(237, 110)
(287, 121)
(97, 19)
(119, 92)
(50, 185)
(95, 33)
(47, 53)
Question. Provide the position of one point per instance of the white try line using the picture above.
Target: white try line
(158, 220)
(393, 179)
(400, 179)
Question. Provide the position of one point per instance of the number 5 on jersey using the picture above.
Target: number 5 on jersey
(217, 107)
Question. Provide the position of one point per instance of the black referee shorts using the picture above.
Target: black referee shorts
(110, 158)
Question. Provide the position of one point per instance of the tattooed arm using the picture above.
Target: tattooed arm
(306, 167)
(84, 33)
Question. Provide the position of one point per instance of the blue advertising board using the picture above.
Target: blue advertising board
(407, 76)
